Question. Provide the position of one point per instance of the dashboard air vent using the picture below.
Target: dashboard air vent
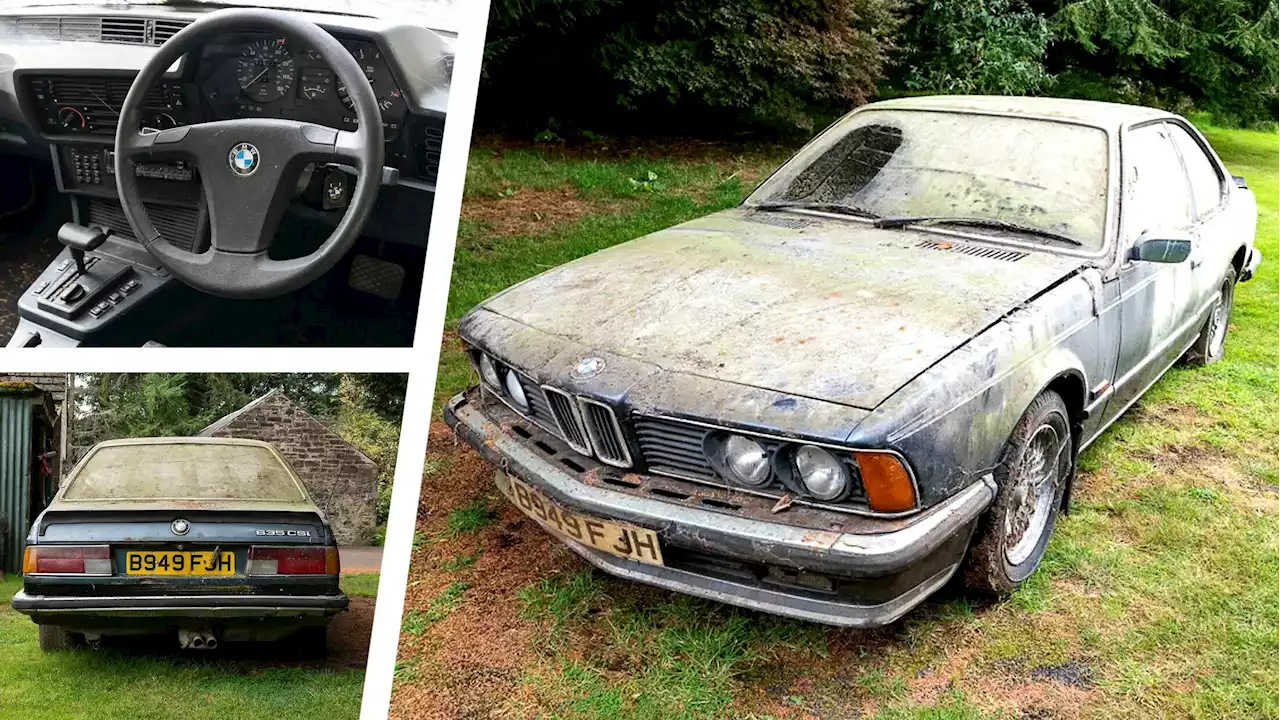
(165, 29)
(432, 139)
(80, 28)
(131, 31)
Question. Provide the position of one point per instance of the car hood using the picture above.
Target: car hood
(830, 309)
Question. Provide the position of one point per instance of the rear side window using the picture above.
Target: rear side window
(1206, 183)
(184, 471)
(1156, 193)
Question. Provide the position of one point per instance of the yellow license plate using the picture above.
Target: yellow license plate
(161, 562)
(625, 541)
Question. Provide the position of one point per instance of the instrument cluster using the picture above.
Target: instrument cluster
(261, 75)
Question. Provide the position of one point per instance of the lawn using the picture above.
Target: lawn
(140, 684)
(1157, 597)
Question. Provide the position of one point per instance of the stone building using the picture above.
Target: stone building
(342, 480)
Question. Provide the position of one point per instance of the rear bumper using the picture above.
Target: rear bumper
(159, 607)
(882, 572)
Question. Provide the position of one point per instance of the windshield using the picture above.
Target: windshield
(184, 471)
(893, 163)
(434, 14)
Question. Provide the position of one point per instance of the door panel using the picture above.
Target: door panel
(1155, 298)
(1213, 248)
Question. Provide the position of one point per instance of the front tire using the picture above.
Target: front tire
(1211, 344)
(55, 639)
(1032, 475)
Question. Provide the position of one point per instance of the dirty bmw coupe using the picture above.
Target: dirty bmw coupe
(207, 540)
(879, 370)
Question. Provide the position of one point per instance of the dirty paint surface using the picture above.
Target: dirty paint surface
(838, 311)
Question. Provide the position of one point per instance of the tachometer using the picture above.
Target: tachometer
(371, 63)
(265, 69)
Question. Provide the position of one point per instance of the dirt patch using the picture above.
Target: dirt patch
(469, 663)
(349, 635)
(529, 211)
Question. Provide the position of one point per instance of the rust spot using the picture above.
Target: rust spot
(944, 246)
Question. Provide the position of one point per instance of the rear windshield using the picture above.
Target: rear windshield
(184, 472)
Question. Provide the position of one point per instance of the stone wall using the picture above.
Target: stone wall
(340, 479)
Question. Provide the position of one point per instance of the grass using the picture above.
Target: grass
(416, 621)
(108, 684)
(469, 519)
(1157, 596)
(360, 584)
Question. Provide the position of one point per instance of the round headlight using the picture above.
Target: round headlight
(825, 477)
(515, 391)
(489, 372)
(745, 460)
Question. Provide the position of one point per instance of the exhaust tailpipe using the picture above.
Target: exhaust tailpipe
(196, 639)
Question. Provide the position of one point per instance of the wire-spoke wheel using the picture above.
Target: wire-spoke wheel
(1211, 344)
(1034, 469)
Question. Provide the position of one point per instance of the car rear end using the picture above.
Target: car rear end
(206, 569)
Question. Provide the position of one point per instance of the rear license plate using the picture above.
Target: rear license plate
(163, 562)
(625, 541)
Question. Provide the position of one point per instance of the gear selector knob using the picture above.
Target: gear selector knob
(81, 239)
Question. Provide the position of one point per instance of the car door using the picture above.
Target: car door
(1212, 249)
(1154, 296)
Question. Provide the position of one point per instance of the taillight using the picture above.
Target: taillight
(67, 559)
(293, 560)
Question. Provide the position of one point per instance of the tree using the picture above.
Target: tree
(977, 47)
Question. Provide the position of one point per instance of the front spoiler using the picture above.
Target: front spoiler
(180, 606)
(1251, 263)
(901, 545)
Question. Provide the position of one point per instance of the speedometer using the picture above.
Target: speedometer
(265, 69)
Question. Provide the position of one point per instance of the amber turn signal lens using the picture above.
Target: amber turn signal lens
(331, 564)
(28, 560)
(886, 481)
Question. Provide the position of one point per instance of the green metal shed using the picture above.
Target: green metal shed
(28, 430)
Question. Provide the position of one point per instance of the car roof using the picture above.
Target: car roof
(184, 441)
(1088, 112)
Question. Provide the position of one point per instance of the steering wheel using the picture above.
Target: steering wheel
(250, 167)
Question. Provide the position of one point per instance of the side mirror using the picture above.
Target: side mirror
(1170, 247)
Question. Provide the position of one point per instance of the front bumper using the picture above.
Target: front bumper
(877, 574)
(1251, 263)
(163, 607)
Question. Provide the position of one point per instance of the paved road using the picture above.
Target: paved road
(360, 559)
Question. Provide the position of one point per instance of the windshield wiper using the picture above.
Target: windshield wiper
(823, 207)
(903, 221)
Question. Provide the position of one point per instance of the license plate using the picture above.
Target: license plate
(161, 562)
(625, 541)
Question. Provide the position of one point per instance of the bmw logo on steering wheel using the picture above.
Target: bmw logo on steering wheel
(243, 159)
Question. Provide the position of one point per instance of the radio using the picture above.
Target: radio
(88, 166)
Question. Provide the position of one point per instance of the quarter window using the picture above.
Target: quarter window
(1156, 193)
(1206, 183)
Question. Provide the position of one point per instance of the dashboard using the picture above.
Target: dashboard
(64, 79)
(253, 74)
(241, 75)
